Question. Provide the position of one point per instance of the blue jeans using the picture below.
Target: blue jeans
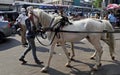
(31, 46)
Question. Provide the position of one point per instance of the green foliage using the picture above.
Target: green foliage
(97, 3)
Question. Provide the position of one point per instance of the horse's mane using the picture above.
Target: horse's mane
(41, 14)
(45, 17)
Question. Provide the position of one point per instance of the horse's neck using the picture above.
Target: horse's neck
(45, 19)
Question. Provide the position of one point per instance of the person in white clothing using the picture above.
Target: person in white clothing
(1, 18)
(21, 20)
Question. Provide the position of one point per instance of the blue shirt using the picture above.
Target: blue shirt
(112, 18)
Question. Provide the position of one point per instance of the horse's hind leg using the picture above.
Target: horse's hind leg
(110, 49)
(96, 43)
(44, 69)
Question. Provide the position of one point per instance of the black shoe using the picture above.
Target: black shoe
(38, 62)
(23, 61)
(26, 44)
(58, 45)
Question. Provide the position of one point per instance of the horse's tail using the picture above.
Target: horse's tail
(110, 38)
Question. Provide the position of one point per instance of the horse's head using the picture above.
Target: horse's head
(42, 17)
(45, 19)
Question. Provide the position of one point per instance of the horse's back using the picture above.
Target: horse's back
(94, 24)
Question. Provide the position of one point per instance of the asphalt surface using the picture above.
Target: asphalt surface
(11, 49)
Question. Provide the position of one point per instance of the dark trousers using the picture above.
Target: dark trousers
(31, 46)
(113, 24)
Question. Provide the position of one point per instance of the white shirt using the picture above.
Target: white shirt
(21, 18)
(1, 18)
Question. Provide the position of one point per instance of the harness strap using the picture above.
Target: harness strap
(49, 43)
(52, 21)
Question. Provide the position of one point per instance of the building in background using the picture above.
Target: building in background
(7, 4)
(70, 2)
(61, 2)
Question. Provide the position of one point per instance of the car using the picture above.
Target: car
(7, 19)
(5, 30)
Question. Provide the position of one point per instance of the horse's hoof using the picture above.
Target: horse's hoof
(72, 59)
(100, 65)
(67, 65)
(44, 70)
(113, 58)
(58, 45)
(94, 69)
(54, 52)
(92, 58)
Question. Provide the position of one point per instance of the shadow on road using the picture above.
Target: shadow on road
(84, 49)
(50, 71)
(34, 65)
(108, 69)
(55, 72)
(7, 44)
(76, 71)
(42, 49)
(80, 48)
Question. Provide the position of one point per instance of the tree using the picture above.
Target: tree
(40, 1)
(97, 3)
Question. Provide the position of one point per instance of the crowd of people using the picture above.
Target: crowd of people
(114, 18)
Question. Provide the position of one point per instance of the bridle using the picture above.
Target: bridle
(52, 27)
(42, 33)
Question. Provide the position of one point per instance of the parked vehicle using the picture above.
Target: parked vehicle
(7, 19)
(5, 30)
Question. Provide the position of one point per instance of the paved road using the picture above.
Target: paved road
(11, 50)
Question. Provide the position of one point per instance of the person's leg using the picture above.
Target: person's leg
(25, 52)
(23, 33)
(33, 47)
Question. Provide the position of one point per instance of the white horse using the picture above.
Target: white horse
(85, 25)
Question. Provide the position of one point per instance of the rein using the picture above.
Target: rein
(44, 44)
(65, 31)
(52, 29)
(43, 30)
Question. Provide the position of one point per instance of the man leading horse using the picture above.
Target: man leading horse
(30, 35)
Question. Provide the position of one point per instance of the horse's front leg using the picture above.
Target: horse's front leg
(44, 69)
(93, 56)
(98, 59)
(73, 53)
(67, 54)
